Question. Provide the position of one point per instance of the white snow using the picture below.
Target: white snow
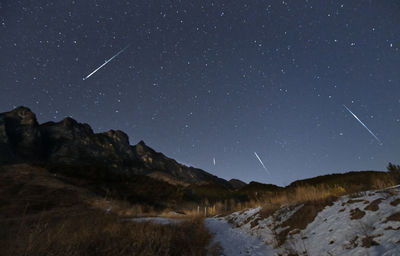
(332, 232)
(236, 241)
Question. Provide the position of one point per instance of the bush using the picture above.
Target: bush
(393, 168)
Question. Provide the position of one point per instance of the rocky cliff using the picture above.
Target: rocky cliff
(23, 139)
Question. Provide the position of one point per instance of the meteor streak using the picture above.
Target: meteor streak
(106, 62)
(214, 160)
(373, 135)
(261, 162)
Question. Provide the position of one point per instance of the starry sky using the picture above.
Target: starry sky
(205, 80)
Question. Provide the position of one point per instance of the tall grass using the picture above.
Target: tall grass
(320, 193)
(95, 233)
(41, 214)
(317, 189)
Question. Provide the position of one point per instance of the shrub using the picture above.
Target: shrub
(393, 168)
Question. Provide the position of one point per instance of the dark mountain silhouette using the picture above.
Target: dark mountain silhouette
(107, 165)
(23, 139)
(254, 186)
(237, 183)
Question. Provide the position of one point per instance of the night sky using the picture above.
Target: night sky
(216, 79)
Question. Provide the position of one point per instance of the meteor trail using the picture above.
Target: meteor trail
(259, 159)
(106, 62)
(380, 142)
(214, 160)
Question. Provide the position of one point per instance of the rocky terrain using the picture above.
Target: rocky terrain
(23, 139)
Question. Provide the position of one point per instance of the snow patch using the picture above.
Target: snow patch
(332, 232)
(236, 241)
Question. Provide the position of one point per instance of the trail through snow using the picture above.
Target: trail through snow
(236, 242)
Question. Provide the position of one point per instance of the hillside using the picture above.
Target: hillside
(365, 223)
(107, 165)
(43, 213)
(59, 179)
(23, 139)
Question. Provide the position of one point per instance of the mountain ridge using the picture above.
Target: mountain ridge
(23, 139)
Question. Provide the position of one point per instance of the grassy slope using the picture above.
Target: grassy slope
(61, 209)
(42, 215)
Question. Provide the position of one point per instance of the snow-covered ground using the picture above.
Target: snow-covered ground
(235, 241)
(365, 224)
(156, 220)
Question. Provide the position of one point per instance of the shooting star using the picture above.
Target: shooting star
(261, 162)
(373, 135)
(106, 62)
(214, 160)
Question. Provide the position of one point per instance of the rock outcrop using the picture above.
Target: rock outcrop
(23, 139)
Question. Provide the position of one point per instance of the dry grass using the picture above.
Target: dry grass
(374, 205)
(395, 202)
(299, 195)
(94, 233)
(317, 193)
(314, 198)
(301, 218)
(393, 217)
(368, 241)
(356, 214)
(41, 215)
(310, 193)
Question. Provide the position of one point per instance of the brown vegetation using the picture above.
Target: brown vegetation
(374, 205)
(318, 192)
(368, 241)
(315, 189)
(61, 211)
(394, 217)
(395, 202)
(392, 228)
(302, 217)
(94, 233)
(42, 215)
(354, 182)
(303, 194)
(328, 186)
(356, 214)
(352, 243)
